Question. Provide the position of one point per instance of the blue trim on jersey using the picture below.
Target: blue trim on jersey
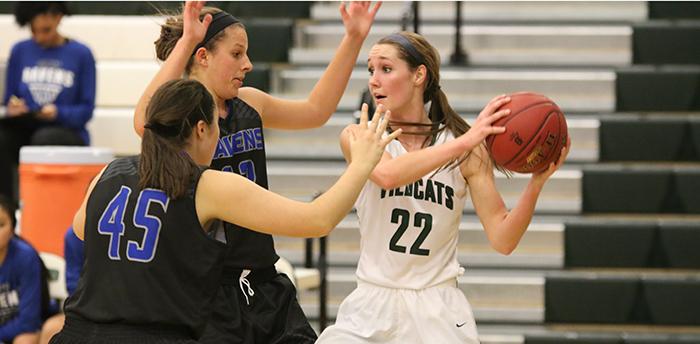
(242, 141)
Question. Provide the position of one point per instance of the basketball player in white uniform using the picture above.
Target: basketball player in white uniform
(411, 208)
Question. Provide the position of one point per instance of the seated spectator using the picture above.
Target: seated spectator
(49, 88)
(20, 283)
(74, 253)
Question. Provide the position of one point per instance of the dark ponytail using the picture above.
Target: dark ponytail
(172, 114)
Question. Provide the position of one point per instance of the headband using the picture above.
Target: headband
(219, 21)
(406, 45)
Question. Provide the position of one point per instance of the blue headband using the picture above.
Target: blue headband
(407, 46)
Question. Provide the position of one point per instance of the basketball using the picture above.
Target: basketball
(535, 133)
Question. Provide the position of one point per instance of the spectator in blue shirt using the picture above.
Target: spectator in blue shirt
(49, 89)
(20, 283)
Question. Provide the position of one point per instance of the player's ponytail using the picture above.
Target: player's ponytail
(171, 116)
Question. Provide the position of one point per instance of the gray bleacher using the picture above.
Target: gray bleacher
(567, 50)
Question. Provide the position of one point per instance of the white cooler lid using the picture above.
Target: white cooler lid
(65, 155)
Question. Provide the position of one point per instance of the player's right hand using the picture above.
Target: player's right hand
(483, 125)
(367, 141)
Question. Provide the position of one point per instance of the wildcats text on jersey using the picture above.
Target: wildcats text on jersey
(239, 142)
(431, 191)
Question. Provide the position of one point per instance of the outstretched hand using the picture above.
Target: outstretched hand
(357, 17)
(366, 141)
(194, 29)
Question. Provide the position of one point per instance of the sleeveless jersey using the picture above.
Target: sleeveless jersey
(148, 260)
(409, 234)
(241, 149)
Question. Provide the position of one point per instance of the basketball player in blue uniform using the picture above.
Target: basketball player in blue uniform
(410, 210)
(151, 271)
(256, 303)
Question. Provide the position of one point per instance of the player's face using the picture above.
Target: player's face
(390, 78)
(229, 63)
(6, 229)
(45, 29)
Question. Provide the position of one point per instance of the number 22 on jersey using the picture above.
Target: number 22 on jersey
(402, 217)
(112, 223)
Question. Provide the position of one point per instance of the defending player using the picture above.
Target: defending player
(151, 271)
(257, 305)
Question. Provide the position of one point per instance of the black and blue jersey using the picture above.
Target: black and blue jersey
(241, 150)
(148, 261)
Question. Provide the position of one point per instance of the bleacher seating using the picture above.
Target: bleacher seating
(639, 188)
(605, 243)
(660, 137)
(612, 254)
(653, 40)
(658, 88)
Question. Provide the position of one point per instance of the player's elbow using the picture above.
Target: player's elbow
(386, 179)
(320, 228)
(504, 248)
(318, 117)
(319, 121)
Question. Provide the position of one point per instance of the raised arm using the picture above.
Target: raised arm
(174, 66)
(504, 228)
(394, 172)
(323, 100)
(261, 210)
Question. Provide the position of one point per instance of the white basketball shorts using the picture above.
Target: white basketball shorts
(375, 314)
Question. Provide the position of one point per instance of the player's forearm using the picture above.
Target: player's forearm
(410, 167)
(338, 200)
(328, 91)
(173, 68)
(514, 225)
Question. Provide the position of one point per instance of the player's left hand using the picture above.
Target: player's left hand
(358, 18)
(543, 175)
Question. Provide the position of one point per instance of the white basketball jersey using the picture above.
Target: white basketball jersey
(409, 234)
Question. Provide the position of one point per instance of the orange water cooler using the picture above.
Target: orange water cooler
(52, 184)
